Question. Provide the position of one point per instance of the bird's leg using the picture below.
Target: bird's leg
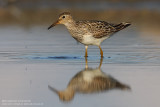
(101, 52)
(86, 54)
(100, 64)
(86, 66)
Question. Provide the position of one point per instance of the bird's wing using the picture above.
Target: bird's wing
(100, 29)
(109, 83)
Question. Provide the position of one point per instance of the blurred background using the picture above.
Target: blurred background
(32, 57)
(143, 14)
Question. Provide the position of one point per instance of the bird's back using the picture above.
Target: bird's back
(100, 29)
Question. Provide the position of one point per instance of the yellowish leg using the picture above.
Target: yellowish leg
(86, 54)
(101, 52)
(100, 64)
(86, 66)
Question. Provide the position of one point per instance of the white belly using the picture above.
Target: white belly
(90, 40)
(89, 75)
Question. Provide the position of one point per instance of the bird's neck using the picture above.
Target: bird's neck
(73, 29)
(69, 91)
(70, 24)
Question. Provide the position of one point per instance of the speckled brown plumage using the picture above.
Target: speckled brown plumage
(98, 29)
(89, 32)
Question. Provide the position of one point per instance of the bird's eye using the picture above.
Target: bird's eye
(63, 17)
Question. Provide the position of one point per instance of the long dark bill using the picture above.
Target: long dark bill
(53, 25)
(50, 27)
(52, 89)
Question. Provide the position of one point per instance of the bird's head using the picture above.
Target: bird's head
(65, 95)
(64, 18)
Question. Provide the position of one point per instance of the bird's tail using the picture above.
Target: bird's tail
(122, 86)
(121, 26)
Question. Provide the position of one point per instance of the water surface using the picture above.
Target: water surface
(35, 58)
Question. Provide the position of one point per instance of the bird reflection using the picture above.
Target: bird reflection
(89, 80)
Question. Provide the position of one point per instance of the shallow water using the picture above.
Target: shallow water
(33, 59)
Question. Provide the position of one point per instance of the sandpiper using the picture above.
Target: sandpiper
(89, 32)
(89, 80)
